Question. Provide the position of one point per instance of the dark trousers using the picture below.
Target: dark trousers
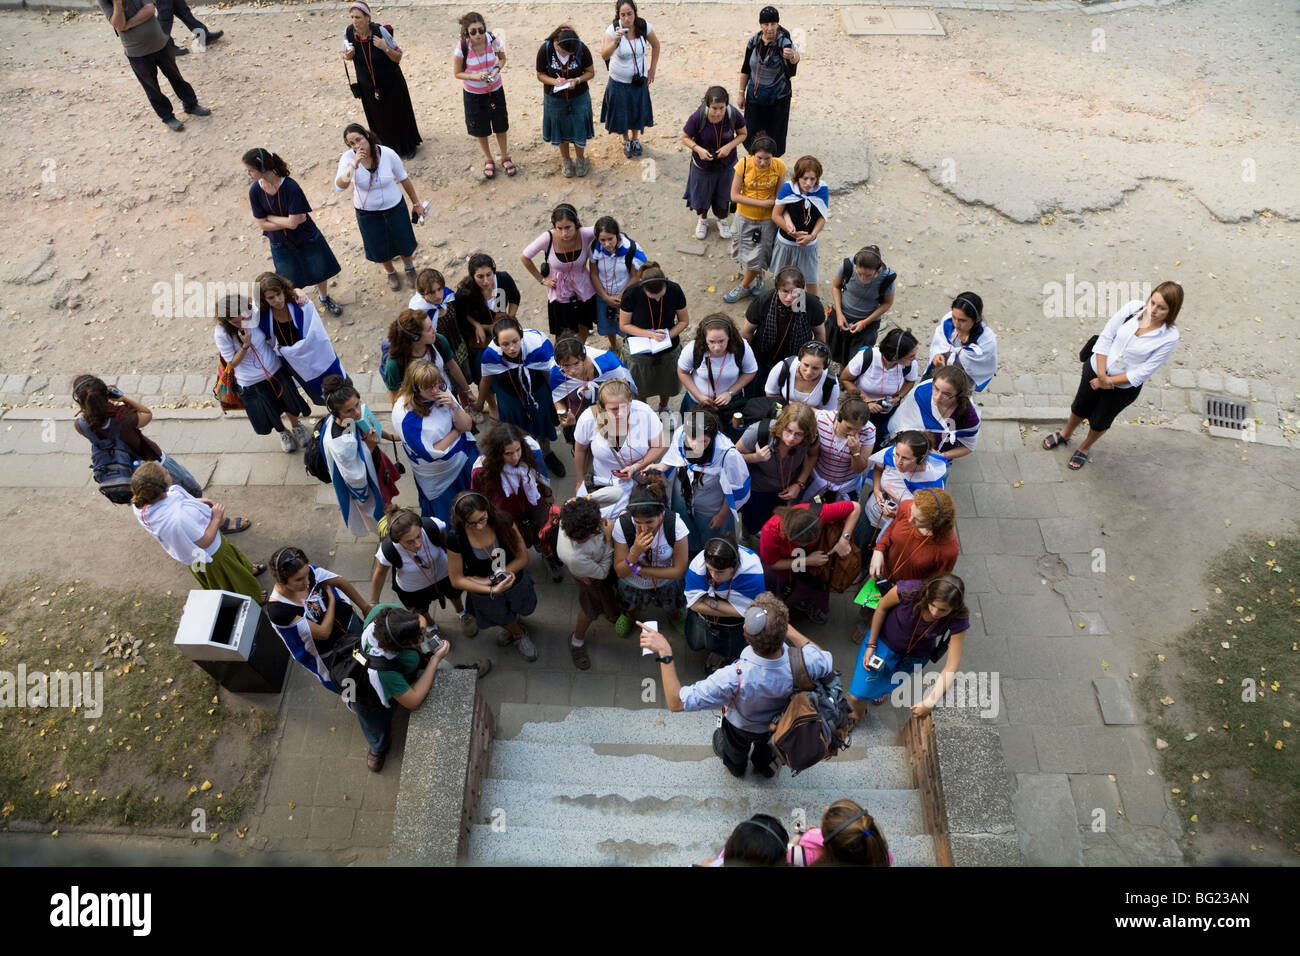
(167, 9)
(736, 744)
(376, 725)
(773, 120)
(146, 71)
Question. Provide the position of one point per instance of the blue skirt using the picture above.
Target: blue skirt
(537, 420)
(626, 107)
(868, 685)
(306, 263)
(567, 121)
(387, 235)
(708, 189)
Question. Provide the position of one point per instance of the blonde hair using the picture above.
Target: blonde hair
(420, 374)
(149, 483)
(799, 415)
(610, 389)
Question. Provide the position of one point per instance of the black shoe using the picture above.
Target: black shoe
(334, 307)
(554, 464)
(180, 50)
(213, 36)
(174, 123)
(197, 110)
(766, 772)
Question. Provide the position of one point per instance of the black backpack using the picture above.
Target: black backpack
(394, 556)
(111, 461)
(629, 260)
(817, 722)
(313, 458)
(783, 379)
(349, 666)
(670, 527)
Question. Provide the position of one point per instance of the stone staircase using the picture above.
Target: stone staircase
(602, 786)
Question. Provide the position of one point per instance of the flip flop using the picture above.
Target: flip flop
(239, 524)
(1078, 460)
(1054, 439)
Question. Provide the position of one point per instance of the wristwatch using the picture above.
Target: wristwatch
(713, 603)
(666, 659)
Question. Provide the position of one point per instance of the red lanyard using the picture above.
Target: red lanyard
(917, 640)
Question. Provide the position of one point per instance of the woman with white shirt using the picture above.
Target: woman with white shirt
(435, 432)
(378, 178)
(577, 375)
(621, 437)
(347, 452)
(626, 109)
(962, 338)
(262, 382)
(883, 374)
(896, 473)
(477, 63)
(716, 371)
(1136, 341)
(615, 262)
(411, 552)
(649, 559)
(586, 546)
(805, 378)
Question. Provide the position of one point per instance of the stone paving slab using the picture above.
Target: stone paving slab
(1046, 820)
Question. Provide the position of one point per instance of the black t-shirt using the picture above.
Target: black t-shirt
(803, 219)
(771, 343)
(289, 200)
(472, 564)
(548, 62)
(472, 305)
(649, 314)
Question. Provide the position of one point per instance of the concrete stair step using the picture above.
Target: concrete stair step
(542, 846)
(660, 810)
(562, 724)
(859, 768)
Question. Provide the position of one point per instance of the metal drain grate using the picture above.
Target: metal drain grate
(1226, 412)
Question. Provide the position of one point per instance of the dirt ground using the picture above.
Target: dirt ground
(1009, 155)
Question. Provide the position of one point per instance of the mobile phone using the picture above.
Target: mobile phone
(619, 473)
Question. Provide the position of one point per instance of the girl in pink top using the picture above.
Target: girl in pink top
(571, 297)
(848, 836)
(477, 62)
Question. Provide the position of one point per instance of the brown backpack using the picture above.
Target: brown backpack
(838, 573)
(816, 724)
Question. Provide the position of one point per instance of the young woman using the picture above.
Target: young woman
(622, 437)
(845, 439)
(755, 181)
(861, 293)
(722, 580)
(586, 546)
(782, 320)
(516, 368)
(805, 378)
(631, 51)
(348, 452)
(566, 273)
(418, 566)
(650, 314)
(482, 297)
(650, 563)
(577, 375)
(781, 466)
(615, 261)
(435, 432)
(413, 335)
(384, 95)
(282, 212)
(712, 133)
(962, 338)
(311, 608)
(943, 408)
(908, 626)
(793, 534)
(898, 472)
(770, 62)
(712, 477)
(848, 836)
(716, 371)
(189, 529)
(297, 333)
(104, 411)
(378, 179)
(477, 62)
(564, 68)
(920, 543)
(1136, 341)
(262, 381)
(510, 475)
(882, 375)
(487, 558)
(800, 215)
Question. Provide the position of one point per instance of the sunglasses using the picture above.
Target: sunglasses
(820, 348)
(477, 31)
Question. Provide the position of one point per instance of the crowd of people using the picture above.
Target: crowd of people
(807, 457)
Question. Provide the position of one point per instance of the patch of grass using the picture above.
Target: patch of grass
(167, 741)
(1225, 700)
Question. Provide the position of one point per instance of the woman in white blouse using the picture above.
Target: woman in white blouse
(1136, 341)
(716, 370)
(805, 378)
(882, 375)
(962, 338)
(621, 436)
(435, 432)
(378, 178)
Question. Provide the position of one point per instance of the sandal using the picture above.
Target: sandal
(259, 570)
(1078, 460)
(1054, 439)
(508, 166)
(235, 525)
(489, 169)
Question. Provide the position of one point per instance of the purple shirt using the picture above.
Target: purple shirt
(904, 627)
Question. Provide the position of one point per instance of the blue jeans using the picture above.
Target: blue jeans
(376, 724)
(181, 477)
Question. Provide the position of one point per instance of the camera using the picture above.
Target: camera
(114, 393)
(497, 578)
(875, 663)
(429, 640)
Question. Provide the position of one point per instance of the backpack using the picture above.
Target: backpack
(669, 527)
(313, 458)
(548, 537)
(838, 573)
(464, 44)
(817, 722)
(629, 260)
(348, 667)
(783, 378)
(111, 461)
(394, 556)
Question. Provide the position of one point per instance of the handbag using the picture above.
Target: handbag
(224, 391)
(355, 87)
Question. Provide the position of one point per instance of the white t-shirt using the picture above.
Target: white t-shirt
(660, 554)
(878, 381)
(725, 372)
(177, 521)
(374, 191)
(259, 362)
(643, 428)
(790, 393)
(630, 57)
(411, 576)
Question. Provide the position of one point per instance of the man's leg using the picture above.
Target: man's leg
(186, 15)
(764, 757)
(167, 63)
(146, 71)
(165, 13)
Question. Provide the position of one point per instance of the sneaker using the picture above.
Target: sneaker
(724, 228)
(579, 654)
(333, 307)
(467, 623)
(757, 287)
(817, 615)
(584, 166)
(175, 124)
(197, 110)
(624, 626)
(301, 435)
(505, 638)
(702, 229)
(568, 169)
(287, 443)
(627, 148)
(484, 667)
(526, 647)
(636, 147)
(736, 294)
(554, 464)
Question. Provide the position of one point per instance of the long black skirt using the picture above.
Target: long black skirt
(391, 117)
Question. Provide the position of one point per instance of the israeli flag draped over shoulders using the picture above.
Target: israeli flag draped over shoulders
(726, 465)
(745, 585)
(820, 197)
(538, 354)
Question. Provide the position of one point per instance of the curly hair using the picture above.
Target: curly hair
(801, 417)
(149, 483)
(493, 446)
(502, 525)
(272, 282)
(397, 629)
(936, 509)
(718, 320)
(778, 624)
(580, 519)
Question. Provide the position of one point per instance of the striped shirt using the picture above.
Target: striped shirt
(481, 63)
(835, 464)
